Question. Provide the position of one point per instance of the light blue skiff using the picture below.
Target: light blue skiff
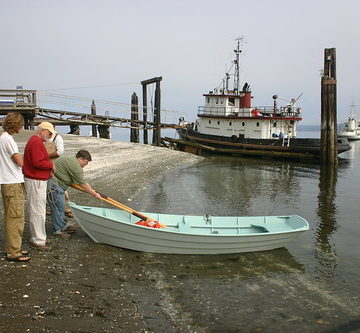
(189, 234)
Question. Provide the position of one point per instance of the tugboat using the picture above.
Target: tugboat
(229, 124)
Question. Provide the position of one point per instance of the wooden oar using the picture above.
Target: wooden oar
(117, 204)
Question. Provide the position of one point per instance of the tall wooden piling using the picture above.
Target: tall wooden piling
(134, 132)
(93, 112)
(157, 113)
(328, 108)
(145, 110)
(156, 133)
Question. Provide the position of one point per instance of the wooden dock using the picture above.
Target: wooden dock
(25, 102)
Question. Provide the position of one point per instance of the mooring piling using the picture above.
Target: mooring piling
(157, 112)
(93, 112)
(328, 108)
(134, 132)
(145, 110)
(156, 131)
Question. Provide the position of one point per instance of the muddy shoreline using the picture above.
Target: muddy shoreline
(80, 286)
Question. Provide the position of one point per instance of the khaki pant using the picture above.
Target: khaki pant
(36, 208)
(14, 217)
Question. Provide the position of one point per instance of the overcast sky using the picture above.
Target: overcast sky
(102, 49)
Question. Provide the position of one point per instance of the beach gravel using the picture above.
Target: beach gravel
(81, 286)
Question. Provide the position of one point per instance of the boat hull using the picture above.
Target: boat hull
(351, 136)
(292, 148)
(189, 234)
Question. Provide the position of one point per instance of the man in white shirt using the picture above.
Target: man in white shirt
(12, 188)
(55, 146)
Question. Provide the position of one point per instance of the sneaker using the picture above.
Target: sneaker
(62, 235)
(40, 247)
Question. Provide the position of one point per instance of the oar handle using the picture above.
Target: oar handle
(141, 216)
(119, 205)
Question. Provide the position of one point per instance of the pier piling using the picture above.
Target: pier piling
(328, 108)
(157, 111)
(93, 112)
(134, 132)
(145, 109)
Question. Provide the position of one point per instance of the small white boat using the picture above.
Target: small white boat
(350, 129)
(189, 234)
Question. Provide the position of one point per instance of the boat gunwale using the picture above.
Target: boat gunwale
(305, 227)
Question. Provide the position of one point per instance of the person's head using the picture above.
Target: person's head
(46, 130)
(13, 122)
(84, 157)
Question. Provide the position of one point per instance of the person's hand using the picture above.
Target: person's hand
(53, 169)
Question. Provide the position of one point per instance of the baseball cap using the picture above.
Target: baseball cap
(48, 126)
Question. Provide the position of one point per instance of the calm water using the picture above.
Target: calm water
(312, 285)
(329, 200)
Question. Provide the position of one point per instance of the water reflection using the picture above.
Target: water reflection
(249, 187)
(326, 252)
(220, 186)
(226, 266)
(353, 152)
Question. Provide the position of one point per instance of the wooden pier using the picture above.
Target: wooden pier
(25, 102)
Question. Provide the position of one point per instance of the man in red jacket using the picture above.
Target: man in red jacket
(37, 170)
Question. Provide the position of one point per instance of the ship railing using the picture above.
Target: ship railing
(216, 111)
(283, 111)
(266, 111)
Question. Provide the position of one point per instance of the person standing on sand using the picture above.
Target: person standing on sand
(69, 170)
(55, 148)
(37, 170)
(12, 188)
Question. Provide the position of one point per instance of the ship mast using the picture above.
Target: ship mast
(353, 113)
(237, 65)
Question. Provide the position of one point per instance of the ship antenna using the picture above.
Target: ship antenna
(240, 41)
(352, 106)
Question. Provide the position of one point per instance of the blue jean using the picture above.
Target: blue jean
(56, 201)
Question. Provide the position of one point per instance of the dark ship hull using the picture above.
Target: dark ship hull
(196, 142)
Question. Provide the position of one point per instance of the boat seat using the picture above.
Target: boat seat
(261, 227)
(269, 227)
